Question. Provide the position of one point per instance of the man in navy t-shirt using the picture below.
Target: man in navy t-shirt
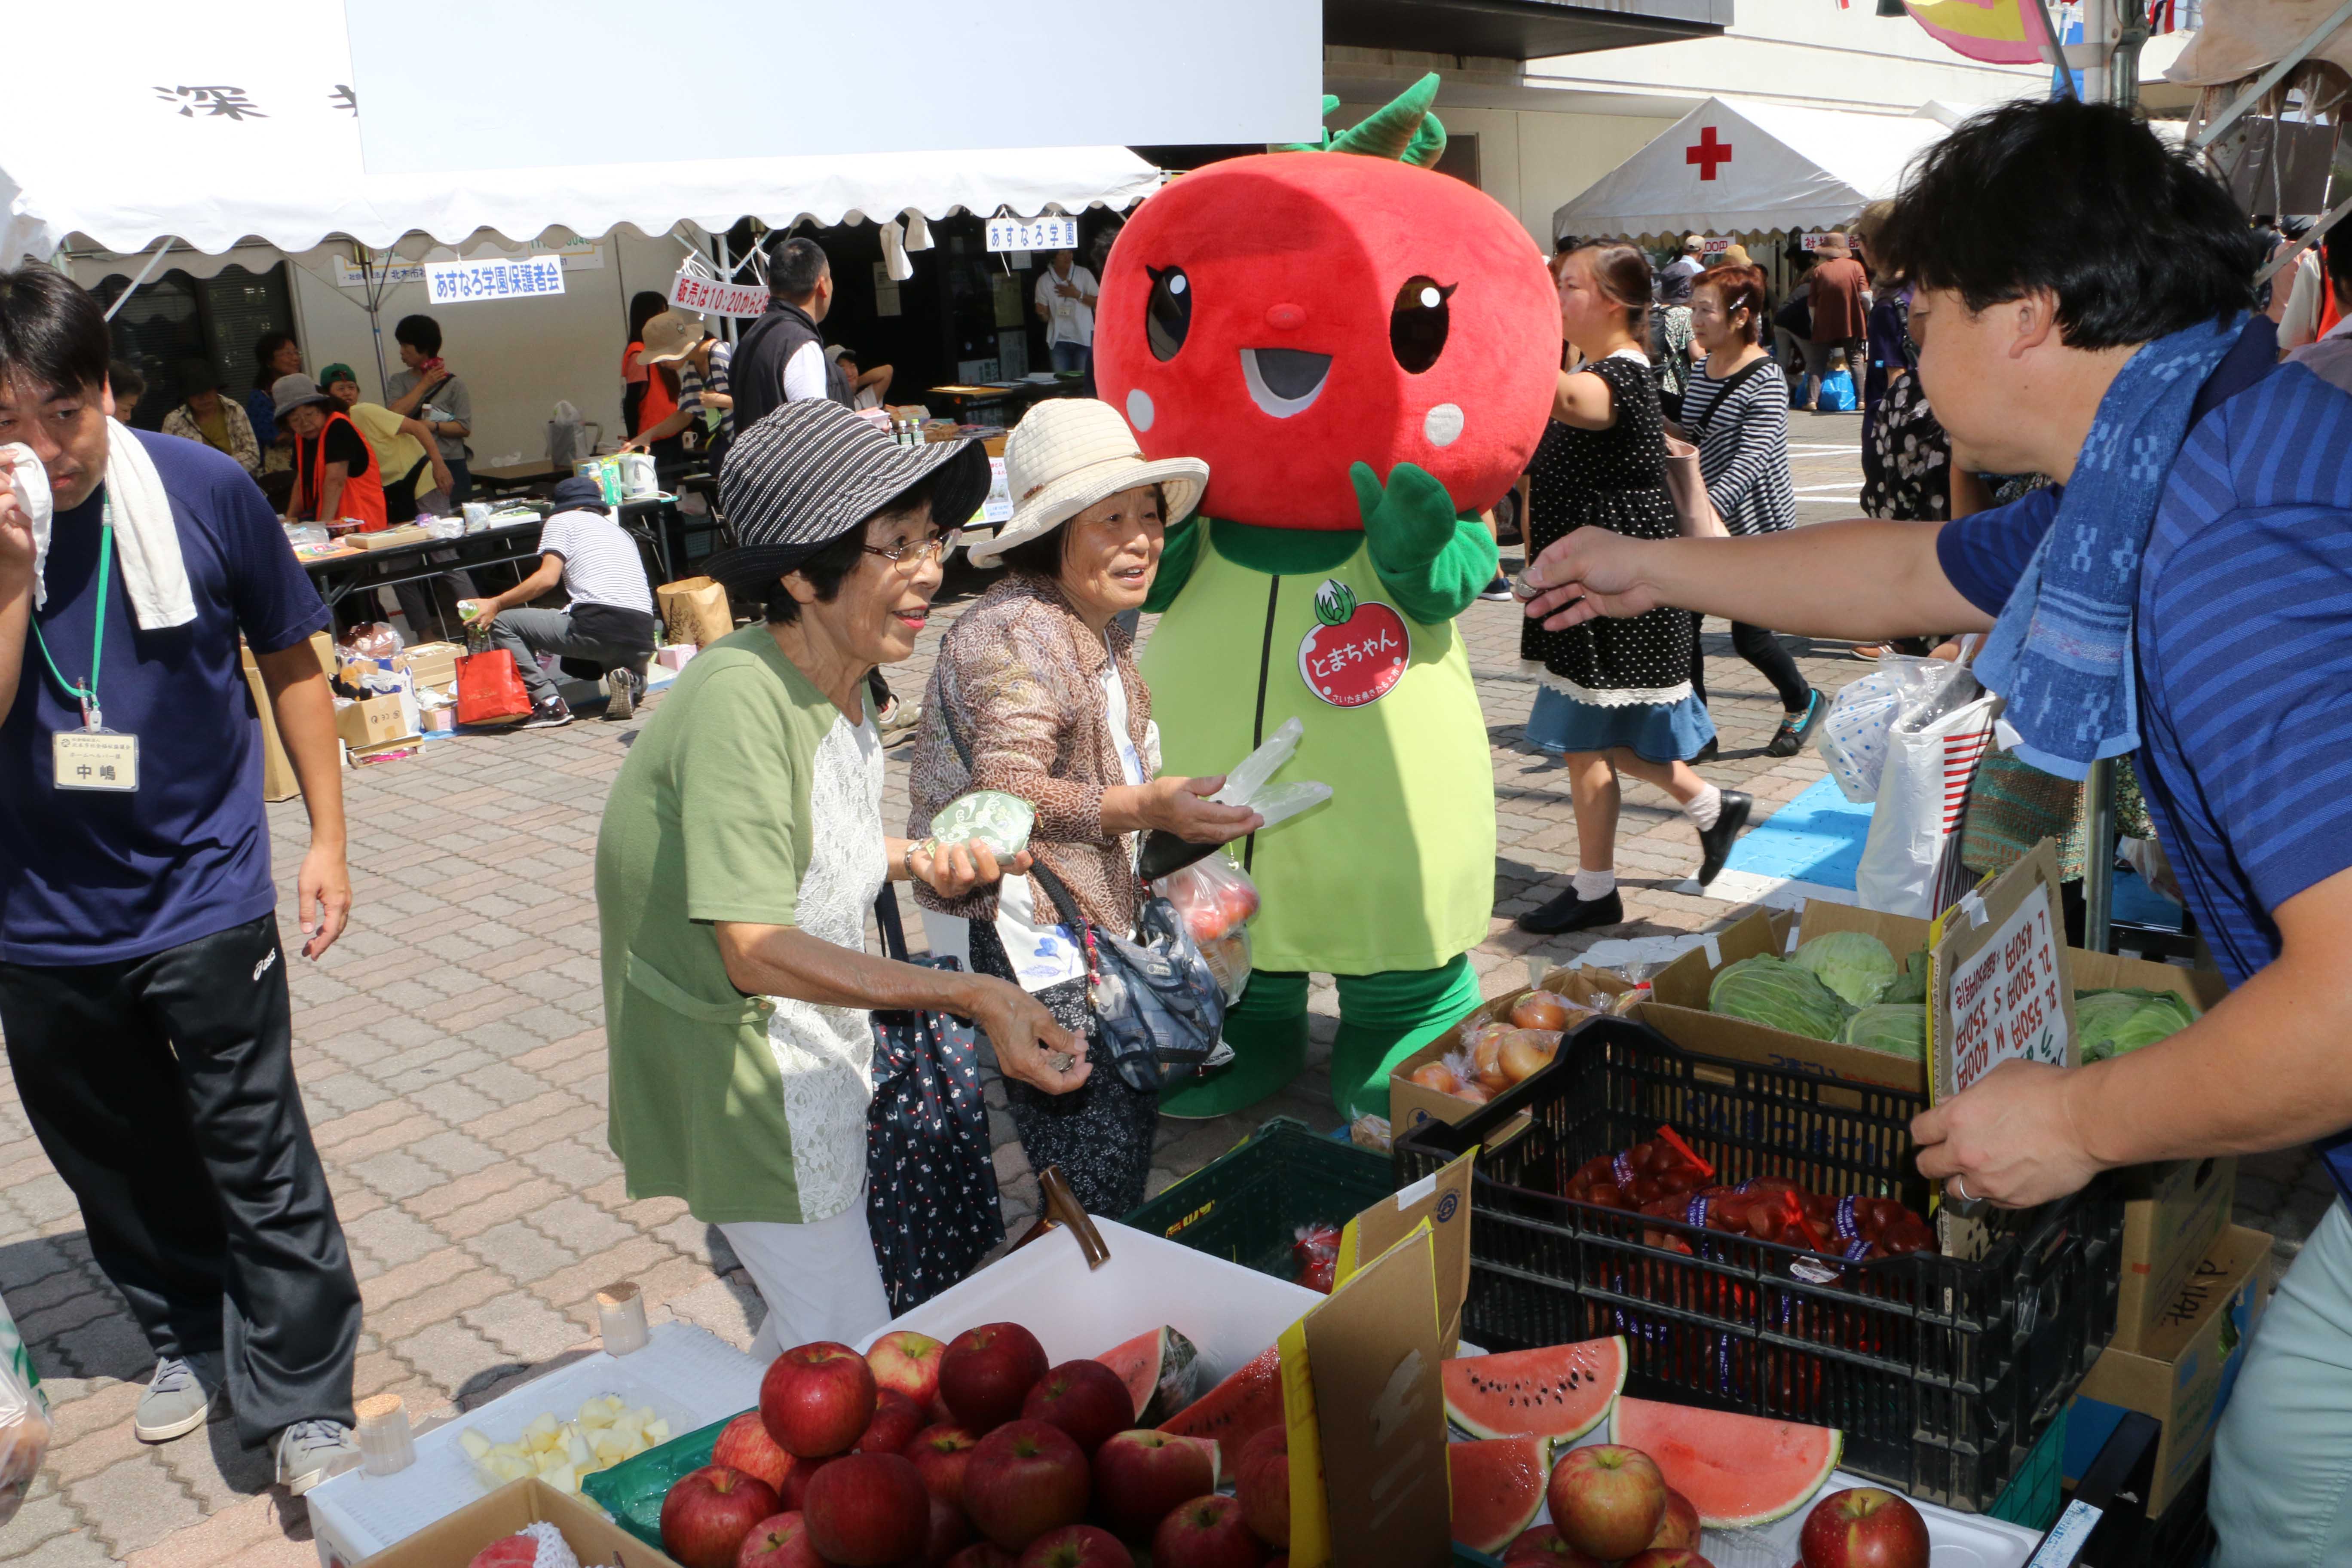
(142, 988)
(2047, 244)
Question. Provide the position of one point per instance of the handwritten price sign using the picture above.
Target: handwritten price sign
(493, 278)
(694, 291)
(2007, 1001)
(1037, 234)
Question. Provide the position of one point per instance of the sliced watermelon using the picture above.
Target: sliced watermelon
(1234, 1411)
(1499, 1484)
(1161, 1370)
(1736, 1470)
(1560, 1392)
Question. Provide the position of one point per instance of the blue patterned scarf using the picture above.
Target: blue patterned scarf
(2060, 654)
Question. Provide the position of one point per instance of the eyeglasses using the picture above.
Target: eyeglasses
(938, 547)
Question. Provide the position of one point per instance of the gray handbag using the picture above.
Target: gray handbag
(1156, 1002)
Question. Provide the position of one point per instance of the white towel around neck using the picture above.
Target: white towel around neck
(146, 538)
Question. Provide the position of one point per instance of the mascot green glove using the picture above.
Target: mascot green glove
(1364, 352)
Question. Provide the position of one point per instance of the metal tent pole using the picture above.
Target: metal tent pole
(162, 248)
(2099, 857)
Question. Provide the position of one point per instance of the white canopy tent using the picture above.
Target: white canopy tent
(1734, 166)
(231, 131)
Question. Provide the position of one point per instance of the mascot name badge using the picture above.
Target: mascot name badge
(1357, 652)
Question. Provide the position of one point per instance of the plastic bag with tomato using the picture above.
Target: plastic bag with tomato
(1316, 1247)
(1214, 896)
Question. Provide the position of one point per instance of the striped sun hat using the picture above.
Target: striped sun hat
(811, 471)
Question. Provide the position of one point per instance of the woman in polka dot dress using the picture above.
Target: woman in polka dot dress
(1614, 696)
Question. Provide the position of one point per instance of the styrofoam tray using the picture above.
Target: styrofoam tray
(1230, 1313)
(1959, 1540)
(689, 1376)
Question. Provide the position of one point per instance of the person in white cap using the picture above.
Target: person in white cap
(1036, 692)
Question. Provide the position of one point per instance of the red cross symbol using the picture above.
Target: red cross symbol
(1707, 153)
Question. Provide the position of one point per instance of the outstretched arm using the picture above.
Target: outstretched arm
(1861, 580)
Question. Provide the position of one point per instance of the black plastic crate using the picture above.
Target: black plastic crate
(1246, 1205)
(1941, 1373)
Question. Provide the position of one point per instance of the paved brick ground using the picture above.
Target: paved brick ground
(452, 1061)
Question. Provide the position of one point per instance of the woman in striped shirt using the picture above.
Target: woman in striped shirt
(1736, 409)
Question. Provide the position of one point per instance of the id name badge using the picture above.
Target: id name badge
(100, 760)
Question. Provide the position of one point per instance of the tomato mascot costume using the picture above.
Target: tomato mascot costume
(1364, 351)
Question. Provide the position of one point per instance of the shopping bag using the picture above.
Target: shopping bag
(1216, 899)
(695, 610)
(24, 1419)
(1923, 792)
(1695, 513)
(931, 1181)
(1853, 739)
(489, 690)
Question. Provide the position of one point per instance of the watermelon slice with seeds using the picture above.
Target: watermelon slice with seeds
(1738, 1471)
(1561, 1391)
(1161, 1371)
(1499, 1484)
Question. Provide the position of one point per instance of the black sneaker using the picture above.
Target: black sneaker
(1714, 843)
(1497, 592)
(1796, 729)
(623, 701)
(555, 711)
(1568, 912)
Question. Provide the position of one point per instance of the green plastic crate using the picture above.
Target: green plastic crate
(2037, 1492)
(1246, 1205)
(632, 1490)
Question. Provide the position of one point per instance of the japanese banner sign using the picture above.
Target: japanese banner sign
(2002, 987)
(698, 291)
(492, 277)
(1034, 234)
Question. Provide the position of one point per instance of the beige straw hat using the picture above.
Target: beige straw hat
(1069, 453)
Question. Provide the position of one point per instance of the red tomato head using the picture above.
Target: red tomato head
(1285, 316)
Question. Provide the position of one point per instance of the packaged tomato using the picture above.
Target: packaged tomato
(1214, 896)
(1318, 1251)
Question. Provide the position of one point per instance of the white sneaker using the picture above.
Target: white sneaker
(310, 1452)
(180, 1398)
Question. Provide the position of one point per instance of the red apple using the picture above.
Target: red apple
(1084, 1398)
(1607, 1499)
(1545, 1547)
(1024, 1480)
(950, 1533)
(795, 1491)
(896, 1419)
(866, 1509)
(1077, 1546)
(942, 1454)
(1140, 1475)
(983, 1555)
(745, 1446)
(780, 1540)
(1863, 1527)
(1679, 1526)
(987, 1372)
(909, 1362)
(816, 1399)
(1206, 1533)
(1668, 1557)
(1262, 1482)
(709, 1512)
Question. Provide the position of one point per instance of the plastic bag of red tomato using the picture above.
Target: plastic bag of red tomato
(1316, 1247)
(1216, 899)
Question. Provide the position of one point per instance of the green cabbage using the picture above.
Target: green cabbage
(1899, 1029)
(1856, 967)
(2114, 1022)
(1911, 985)
(1779, 995)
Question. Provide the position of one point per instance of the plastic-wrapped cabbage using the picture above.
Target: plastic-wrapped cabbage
(999, 820)
(1780, 996)
(1899, 1029)
(1855, 965)
(2114, 1022)
(1911, 985)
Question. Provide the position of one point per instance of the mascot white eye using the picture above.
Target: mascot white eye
(1167, 314)
(1419, 322)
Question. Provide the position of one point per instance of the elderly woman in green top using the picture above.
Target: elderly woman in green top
(742, 849)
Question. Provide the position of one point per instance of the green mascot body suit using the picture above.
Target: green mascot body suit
(1363, 350)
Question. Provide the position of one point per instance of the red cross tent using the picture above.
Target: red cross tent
(1737, 166)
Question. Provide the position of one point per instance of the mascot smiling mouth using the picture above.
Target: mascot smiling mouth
(1284, 382)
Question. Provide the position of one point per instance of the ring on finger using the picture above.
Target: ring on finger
(1961, 1183)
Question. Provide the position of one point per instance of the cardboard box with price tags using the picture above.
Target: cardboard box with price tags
(2173, 1211)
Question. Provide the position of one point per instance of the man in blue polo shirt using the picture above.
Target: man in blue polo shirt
(2184, 596)
(142, 988)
